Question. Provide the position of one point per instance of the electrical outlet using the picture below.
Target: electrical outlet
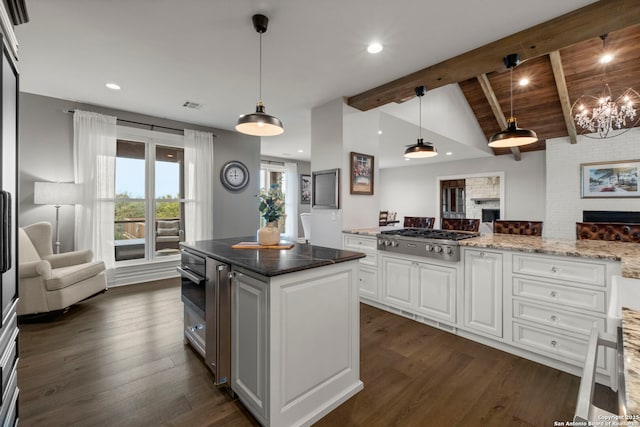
(333, 216)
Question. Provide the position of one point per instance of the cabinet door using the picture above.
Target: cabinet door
(436, 291)
(396, 279)
(368, 282)
(249, 342)
(483, 291)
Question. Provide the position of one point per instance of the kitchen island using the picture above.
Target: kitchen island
(295, 350)
(535, 297)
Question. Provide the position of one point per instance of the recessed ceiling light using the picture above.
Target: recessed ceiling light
(374, 47)
(379, 132)
(606, 58)
(113, 86)
(300, 151)
(448, 153)
(524, 81)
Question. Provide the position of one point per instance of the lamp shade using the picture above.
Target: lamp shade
(56, 193)
(259, 123)
(513, 136)
(420, 150)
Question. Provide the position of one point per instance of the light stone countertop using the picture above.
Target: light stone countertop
(627, 253)
(631, 351)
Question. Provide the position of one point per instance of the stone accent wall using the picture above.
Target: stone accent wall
(481, 188)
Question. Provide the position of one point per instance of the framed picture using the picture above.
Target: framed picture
(305, 189)
(361, 181)
(610, 179)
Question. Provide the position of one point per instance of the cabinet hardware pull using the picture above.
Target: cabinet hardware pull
(196, 327)
(554, 343)
(554, 294)
(553, 318)
(554, 269)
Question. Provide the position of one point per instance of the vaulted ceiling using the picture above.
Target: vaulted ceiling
(559, 57)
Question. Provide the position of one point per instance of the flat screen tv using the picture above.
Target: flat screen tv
(325, 189)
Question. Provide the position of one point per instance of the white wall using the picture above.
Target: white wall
(326, 153)
(563, 203)
(46, 154)
(412, 190)
(360, 136)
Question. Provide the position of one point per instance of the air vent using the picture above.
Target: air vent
(192, 105)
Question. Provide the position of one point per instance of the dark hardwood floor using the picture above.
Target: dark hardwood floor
(119, 360)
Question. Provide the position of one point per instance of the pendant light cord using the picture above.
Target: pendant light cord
(511, 90)
(260, 72)
(420, 119)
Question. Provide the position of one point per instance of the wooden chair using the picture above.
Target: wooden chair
(523, 228)
(382, 218)
(418, 221)
(460, 224)
(610, 231)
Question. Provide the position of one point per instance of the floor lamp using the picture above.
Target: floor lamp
(56, 194)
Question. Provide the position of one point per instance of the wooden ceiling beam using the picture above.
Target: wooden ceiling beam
(492, 99)
(563, 94)
(591, 21)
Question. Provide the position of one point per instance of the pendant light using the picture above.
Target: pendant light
(259, 123)
(420, 150)
(512, 136)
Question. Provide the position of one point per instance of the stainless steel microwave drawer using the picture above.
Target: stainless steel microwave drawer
(195, 331)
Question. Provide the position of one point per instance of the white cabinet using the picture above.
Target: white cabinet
(423, 288)
(436, 291)
(483, 291)
(249, 343)
(368, 274)
(295, 341)
(396, 278)
(555, 303)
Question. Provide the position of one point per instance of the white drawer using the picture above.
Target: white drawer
(561, 269)
(360, 243)
(588, 299)
(555, 345)
(556, 317)
(371, 260)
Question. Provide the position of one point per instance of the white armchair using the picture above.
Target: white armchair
(48, 281)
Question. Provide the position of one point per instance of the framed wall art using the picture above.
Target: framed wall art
(610, 179)
(305, 189)
(361, 177)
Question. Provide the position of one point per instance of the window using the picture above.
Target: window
(271, 174)
(149, 204)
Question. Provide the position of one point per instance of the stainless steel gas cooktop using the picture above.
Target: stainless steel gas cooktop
(424, 242)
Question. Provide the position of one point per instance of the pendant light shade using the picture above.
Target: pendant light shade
(512, 136)
(420, 150)
(260, 123)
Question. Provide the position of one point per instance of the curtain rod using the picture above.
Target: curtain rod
(151, 126)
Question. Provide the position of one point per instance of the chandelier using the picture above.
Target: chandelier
(602, 116)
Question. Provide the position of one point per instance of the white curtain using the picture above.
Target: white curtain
(291, 201)
(198, 168)
(94, 157)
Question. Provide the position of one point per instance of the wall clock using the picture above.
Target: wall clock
(234, 175)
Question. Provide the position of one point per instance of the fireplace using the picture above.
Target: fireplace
(489, 215)
(608, 216)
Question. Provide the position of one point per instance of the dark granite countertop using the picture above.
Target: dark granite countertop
(271, 262)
